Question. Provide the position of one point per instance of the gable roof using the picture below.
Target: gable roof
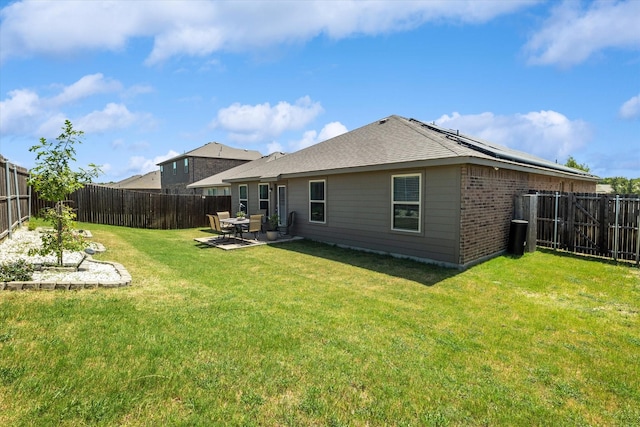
(397, 142)
(217, 150)
(148, 181)
(217, 180)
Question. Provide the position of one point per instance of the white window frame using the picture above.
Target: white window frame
(417, 203)
(175, 167)
(260, 200)
(323, 201)
(186, 165)
(244, 201)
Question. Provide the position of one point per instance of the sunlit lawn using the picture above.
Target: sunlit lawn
(308, 334)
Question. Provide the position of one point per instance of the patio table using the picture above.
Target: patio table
(238, 223)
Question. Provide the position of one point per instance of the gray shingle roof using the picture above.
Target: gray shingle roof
(148, 181)
(391, 143)
(217, 150)
(217, 180)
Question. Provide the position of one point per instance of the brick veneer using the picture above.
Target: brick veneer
(199, 168)
(487, 200)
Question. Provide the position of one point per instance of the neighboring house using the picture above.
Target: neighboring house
(604, 189)
(149, 182)
(192, 166)
(216, 186)
(407, 188)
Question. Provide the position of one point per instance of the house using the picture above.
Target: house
(149, 182)
(406, 188)
(216, 185)
(212, 158)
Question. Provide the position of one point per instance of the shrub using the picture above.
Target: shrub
(16, 271)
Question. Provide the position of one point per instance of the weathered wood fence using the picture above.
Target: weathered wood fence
(14, 197)
(112, 206)
(593, 224)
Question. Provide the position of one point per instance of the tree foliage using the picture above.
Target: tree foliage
(52, 177)
(572, 163)
(54, 180)
(622, 185)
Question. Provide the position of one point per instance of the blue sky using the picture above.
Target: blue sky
(148, 80)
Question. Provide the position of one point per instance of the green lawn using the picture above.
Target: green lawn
(307, 334)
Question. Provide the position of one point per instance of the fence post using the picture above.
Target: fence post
(616, 230)
(638, 241)
(555, 223)
(15, 179)
(8, 183)
(531, 215)
(570, 231)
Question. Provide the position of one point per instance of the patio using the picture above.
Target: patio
(218, 241)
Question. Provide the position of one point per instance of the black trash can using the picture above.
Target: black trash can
(517, 236)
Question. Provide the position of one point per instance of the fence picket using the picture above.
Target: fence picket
(591, 224)
(112, 206)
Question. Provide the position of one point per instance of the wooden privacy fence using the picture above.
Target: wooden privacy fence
(14, 197)
(113, 206)
(593, 224)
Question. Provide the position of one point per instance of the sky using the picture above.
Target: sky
(149, 80)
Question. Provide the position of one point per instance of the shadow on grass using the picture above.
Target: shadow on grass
(415, 271)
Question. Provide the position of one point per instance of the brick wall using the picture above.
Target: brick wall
(487, 200)
(199, 168)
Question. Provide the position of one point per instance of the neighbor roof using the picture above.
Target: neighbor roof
(398, 142)
(217, 180)
(217, 150)
(148, 181)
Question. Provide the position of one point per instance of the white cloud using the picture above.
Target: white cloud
(88, 85)
(18, 110)
(547, 134)
(203, 27)
(251, 123)
(26, 112)
(631, 109)
(139, 165)
(312, 137)
(274, 146)
(113, 116)
(572, 34)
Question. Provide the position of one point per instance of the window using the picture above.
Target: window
(186, 165)
(263, 197)
(219, 191)
(175, 167)
(406, 202)
(244, 198)
(161, 169)
(317, 201)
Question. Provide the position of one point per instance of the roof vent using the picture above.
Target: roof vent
(383, 121)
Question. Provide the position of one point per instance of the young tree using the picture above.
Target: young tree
(54, 179)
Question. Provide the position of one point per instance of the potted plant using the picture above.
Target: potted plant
(240, 215)
(272, 226)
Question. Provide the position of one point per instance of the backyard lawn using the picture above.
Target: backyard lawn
(307, 334)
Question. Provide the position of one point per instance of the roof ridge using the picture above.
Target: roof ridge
(421, 131)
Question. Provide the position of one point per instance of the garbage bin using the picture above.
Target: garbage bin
(517, 236)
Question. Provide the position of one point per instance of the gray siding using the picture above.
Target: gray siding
(358, 213)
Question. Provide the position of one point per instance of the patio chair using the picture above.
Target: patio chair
(216, 227)
(286, 229)
(255, 225)
(225, 215)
